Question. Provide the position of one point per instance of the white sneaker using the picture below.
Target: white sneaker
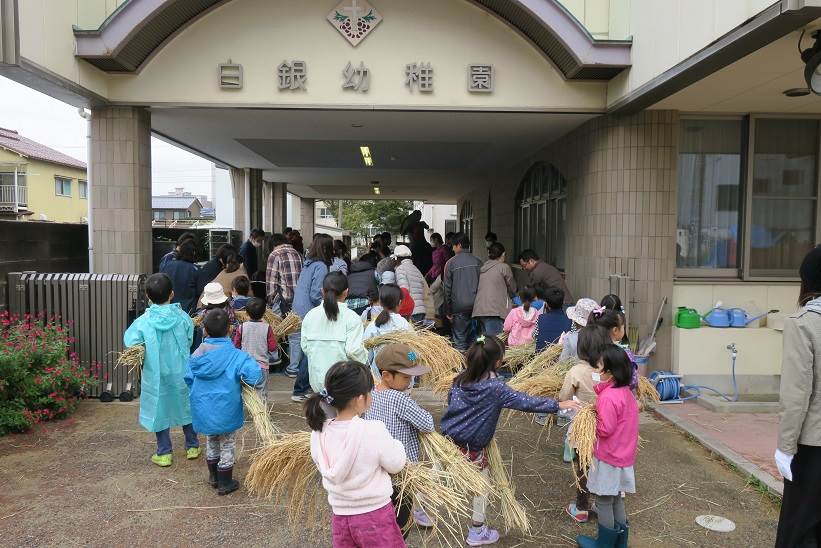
(299, 399)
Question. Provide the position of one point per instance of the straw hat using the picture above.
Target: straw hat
(581, 311)
(213, 294)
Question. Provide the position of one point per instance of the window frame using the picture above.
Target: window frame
(743, 272)
(542, 189)
(63, 179)
(723, 273)
(81, 185)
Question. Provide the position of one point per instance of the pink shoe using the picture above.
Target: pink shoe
(579, 516)
(479, 536)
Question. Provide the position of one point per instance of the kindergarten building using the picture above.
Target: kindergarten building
(655, 148)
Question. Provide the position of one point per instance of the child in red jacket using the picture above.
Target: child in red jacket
(617, 437)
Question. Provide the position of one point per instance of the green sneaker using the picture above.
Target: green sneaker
(193, 453)
(161, 460)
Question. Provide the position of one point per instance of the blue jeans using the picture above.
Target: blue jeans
(164, 439)
(491, 325)
(462, 330)
(299, 364)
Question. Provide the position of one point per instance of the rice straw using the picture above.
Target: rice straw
(582, 436)
(132, 358)
(289, 325)
(465, 476)
(538, 362)
(513, 513)
(431, 349)
(264, 427)
(646, 393)
(518, 356)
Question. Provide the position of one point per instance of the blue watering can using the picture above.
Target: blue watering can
(740, 318)
(718, 317)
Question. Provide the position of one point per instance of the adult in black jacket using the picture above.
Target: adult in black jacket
(362, 282)
(248, 251)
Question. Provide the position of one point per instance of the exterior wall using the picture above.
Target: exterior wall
(700, 354)
(185, 70)
(121, 189)
(42, 198)
(665, 32)
(306, 225)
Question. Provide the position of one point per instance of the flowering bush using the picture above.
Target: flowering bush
(40, 379)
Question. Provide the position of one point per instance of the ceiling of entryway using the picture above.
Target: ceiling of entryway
(426, 155)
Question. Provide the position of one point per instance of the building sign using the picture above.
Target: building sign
(356, 78)
(419, 76)
(354, 19)
(480, 78)
(292, 76)
(230, 75)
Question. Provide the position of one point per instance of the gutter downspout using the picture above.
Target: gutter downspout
(89, 185)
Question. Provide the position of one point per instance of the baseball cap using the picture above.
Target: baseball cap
(400, 358)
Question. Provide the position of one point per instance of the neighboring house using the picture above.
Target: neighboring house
(175, 208)
(40, 183)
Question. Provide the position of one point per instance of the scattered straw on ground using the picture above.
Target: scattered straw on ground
(582, 436)
(513, 513)
(132, 359)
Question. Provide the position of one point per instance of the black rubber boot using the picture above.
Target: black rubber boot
(226, 482)
(212, 472)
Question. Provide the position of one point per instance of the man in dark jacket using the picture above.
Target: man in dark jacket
(248, 251)
(420, 248)
(185, 278)
(461, 281)
(540, 271)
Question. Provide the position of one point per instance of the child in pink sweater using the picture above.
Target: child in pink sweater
(617, 436)
(355, 458)
(521, 321)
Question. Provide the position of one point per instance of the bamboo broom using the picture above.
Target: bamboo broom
(513, 513)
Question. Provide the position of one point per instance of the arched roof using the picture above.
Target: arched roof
(140, 27)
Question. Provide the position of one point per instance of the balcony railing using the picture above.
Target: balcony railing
(7, 196)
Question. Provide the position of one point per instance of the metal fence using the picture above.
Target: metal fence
(96, 308)
(13, 197)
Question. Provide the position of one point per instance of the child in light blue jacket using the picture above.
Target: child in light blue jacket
(215, 374)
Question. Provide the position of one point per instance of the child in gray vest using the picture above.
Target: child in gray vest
(257, 339)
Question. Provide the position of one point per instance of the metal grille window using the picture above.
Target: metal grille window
(62, 186)
(466, 221)
(541, 213)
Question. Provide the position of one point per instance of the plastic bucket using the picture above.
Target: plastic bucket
(641, 363)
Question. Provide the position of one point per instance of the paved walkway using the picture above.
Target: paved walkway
(746, 440)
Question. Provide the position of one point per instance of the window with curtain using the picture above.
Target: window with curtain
(542, 213)
(709, 194)
(784, 195)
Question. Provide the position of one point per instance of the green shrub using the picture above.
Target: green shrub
(40, 379)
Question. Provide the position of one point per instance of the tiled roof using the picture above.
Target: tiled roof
(172, 202)
(12, 140)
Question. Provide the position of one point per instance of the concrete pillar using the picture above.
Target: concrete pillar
(279, 206)
(306, 217)
(238, 191)
(121, 189)
(267, 207)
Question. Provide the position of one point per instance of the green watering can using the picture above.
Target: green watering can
(687, 318)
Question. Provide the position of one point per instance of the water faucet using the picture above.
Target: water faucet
(733, 350)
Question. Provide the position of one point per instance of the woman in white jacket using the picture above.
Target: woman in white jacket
(409, 277)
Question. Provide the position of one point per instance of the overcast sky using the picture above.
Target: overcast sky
(57, 125)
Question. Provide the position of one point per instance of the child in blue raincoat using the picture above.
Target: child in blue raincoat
(166, 331)
(215, 374)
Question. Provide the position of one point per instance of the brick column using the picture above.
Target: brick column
(121, 189)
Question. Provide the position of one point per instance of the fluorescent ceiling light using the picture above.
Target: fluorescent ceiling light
(376, 190)
(366, 155)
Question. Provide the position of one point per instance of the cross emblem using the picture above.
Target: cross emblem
(354, 19)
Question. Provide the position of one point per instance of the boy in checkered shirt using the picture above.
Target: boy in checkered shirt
(403, 417)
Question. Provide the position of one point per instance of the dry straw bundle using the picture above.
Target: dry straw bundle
(517, 356)
(264, 427)
(289, 325)
(197, 320)
(538, 363)
(132, 358)
(513, 513)
(582, 436)
(646, 393)
(547, 383)
(431, 349)
(464, 475)
(284, 469)
(268, 317)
